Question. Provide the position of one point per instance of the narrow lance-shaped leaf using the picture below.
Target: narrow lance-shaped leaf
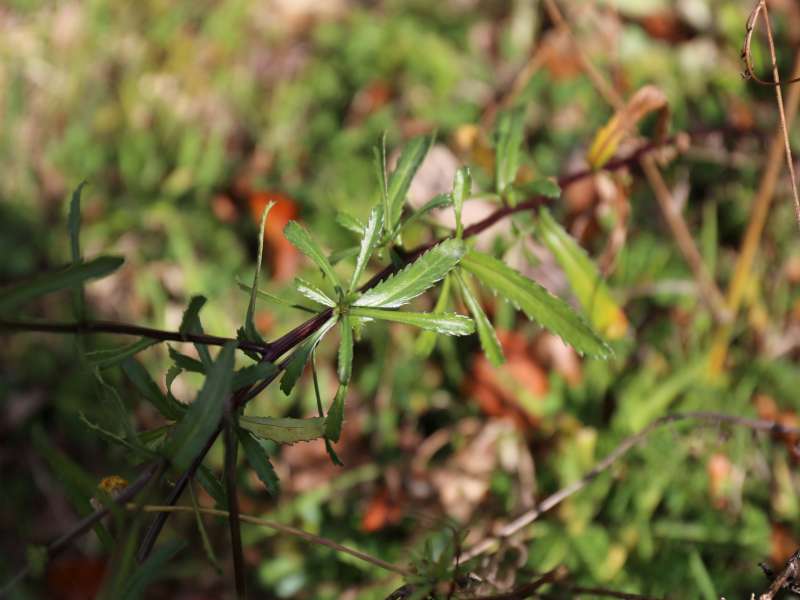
(488, 338)
(300, 239)
(462, 189)
(383, 179)
(427, 339)
(335, 418)
(250, 331)
(257, 457)
(448, 324)
(249, 375)
(312, 292)
(13, 296)
(103, 359)
(369, 239)
(74, 226)
(328, 445)
(438, 201)
(536, 302)
(151, 570)
(345, 364)
(190, 323)
(508, 141)
(412, 281)
(284, 430)
(298, 360)
(203, 416)
(349, 222)
(262, 295)
(400, 180)
(584, 278)
(148, 388)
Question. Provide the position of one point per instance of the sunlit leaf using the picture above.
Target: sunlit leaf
(585, 279)
(301, 240)
(462, 188)
(284, 430)
(15, 295)
(448, 324)
(312, 292)
(345, 363)
(369, 239)
(536, 302)
(203, 415)
(349, 222)
(488, 338)
(412, 281)
(438, 201)
(400, 180)
(427, 339)
(257, 457)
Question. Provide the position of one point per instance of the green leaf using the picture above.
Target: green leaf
(74, 227)
(284, 430)
(257, 457)
(300, 239)
(190, 323)
(335, 418)
(152, 569)
(383, 179)
(438, 201)
(262, 295)
(186, 363)
(462, 189)
(250, 330)
(448, 324)
(312, 292)
(201, 528)
(203, 415)
(412, 281)
(427, 339)
(544, 187)
(299, 358)
(584, 278)
(345, 364)
(102, 359)
(138, 451)
(211, 484)
(349, 222)
(369, 239)
(536, 302)
(400, 180)
(249, 375)
(339, 255)
(508, 141)
(489, 342)
(44, 283)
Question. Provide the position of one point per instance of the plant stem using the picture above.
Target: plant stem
(231, 447)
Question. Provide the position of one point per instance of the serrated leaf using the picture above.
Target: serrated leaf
(262, 295)
(249, 375)
(13, 296)
(250, 330)
(257, 457)
(584, 278)
(284, 430)
(300, 239)
(412, 281)
(186, 363)
(448, 324)
(102, 359)
(312, 292)
(508, 142)
(369, 239)
(536, 302)
(345, 363)
(486, 334)
(299, 358)
(462, 189)
(335, 418)
(190, 323)
(349, 222)
(203, 415)
(427, 339)
(400, 180)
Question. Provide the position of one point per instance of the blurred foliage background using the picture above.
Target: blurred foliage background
(187, 117)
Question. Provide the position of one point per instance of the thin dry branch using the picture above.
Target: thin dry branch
(785, 579)
(680, 231)
(627, 444)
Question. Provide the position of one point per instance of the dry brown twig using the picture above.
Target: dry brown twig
(760, 9)
(710, 293)
(785, 579)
